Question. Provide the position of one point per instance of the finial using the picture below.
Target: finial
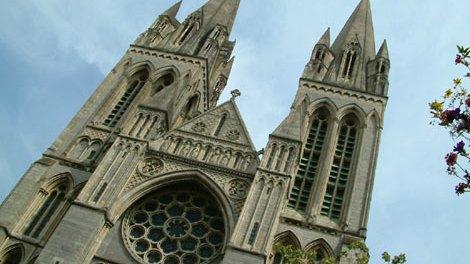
(235, 93)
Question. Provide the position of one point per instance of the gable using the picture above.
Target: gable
(224, 122)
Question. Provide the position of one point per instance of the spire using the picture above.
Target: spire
(358, 27)
(172, 11)
(325, 39)
(222, 12)
(383, 51)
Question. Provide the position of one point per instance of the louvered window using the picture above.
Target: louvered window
(136, 84)
(309, 162)
(340, 169)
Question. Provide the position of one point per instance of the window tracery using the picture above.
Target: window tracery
(177, 225)
(136, 83)
(341, 168)
(309, 162)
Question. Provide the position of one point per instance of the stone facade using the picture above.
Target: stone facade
(152, 170)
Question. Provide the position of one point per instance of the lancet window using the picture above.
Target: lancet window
(164, 81)
(136, 83)
(13, 256)
(309, 163)
(188, 30)
(340, 171)
(49, 208)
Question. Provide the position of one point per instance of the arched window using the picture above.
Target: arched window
(271, 156)
(341, 168)
(176, 224)
(48, 210)
(191, 107)
(188, 30)
(136, 82)
(321, 250)
(220, 125)
(164, 81)
(309, 162)
(289, 160)
(13, 256)
(286, 239)
(79, 148)
(348, 64)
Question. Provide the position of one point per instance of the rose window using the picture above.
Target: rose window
(175, 226)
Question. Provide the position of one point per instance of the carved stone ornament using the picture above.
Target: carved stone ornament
(233, 134)
(237, 189)
(150, 166)
(199, 127)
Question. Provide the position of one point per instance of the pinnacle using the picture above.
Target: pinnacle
(173, 10)
(325, 39)
(383, 51)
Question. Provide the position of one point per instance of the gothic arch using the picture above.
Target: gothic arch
(139, 66)
(288, 237)
(157, 73)
(58, 179)
(14, 254)
(126, 200)
(374, 118)
(354, 109)
(320, 245)
(323, 102)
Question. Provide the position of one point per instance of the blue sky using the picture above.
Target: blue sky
(54, 53)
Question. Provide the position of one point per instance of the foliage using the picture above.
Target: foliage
(399, 259)
(452, 112)
(358, 250)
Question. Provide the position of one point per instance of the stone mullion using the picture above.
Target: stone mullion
(324, 167)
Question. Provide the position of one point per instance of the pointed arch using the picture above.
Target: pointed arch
(322, 248)
(341, 173)
(172, 178)
(49, 206)
(314, 139)
(354, 109)
(374, 118)
(287, 238)
(139, 66)
(13, 254)
(323, 102)
(134, 83)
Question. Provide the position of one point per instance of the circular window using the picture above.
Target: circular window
(178, 225)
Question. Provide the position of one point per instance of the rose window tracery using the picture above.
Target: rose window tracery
(178, 225)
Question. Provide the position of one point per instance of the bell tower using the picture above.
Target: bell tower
(313, 187)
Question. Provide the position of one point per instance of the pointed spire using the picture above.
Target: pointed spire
(172, 11)
(222, 12)
(325, 39)
(383, 51)
(358, 27)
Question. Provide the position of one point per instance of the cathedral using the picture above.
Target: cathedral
(153, 169)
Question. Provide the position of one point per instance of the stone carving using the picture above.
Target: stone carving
(233, 134)
(151, 166)
(199, 127)
(237, 189)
